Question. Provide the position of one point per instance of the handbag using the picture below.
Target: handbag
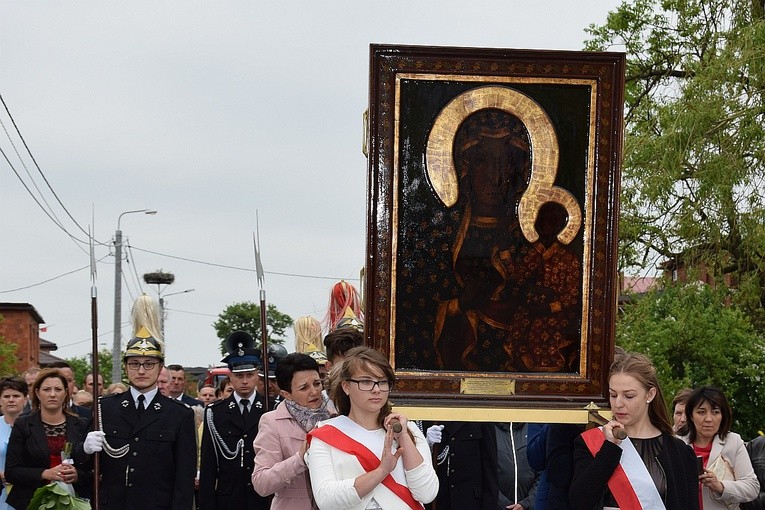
(723, 471)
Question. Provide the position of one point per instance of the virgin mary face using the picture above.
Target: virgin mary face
(494, 156)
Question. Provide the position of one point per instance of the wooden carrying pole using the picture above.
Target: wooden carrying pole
(94, 362)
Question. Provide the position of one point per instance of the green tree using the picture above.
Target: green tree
(7, 355)
(245, 316)
(81, 367)
(695, 339)
(694, 157)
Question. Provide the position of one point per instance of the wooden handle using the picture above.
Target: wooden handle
(619, 433)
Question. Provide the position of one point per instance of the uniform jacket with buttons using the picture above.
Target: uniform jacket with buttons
(467, 474)
(226, 483)
(158, 469)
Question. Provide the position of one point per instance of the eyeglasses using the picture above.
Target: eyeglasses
(369, 384)
(147, 365)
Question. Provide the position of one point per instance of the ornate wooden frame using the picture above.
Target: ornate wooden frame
(571, 105)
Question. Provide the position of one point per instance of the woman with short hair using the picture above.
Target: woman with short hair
(728, 478)
(13, 398)
(280, 445)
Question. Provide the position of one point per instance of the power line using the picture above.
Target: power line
(40, 170)
(49, 279)
(26, 169)
(250, 270)
(55, 222)
(224, 266)
(90, 338)
(131, 260)
(190, 313)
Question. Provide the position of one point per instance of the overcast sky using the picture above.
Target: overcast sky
(207, 112)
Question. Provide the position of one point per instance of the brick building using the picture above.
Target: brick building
(21, 326)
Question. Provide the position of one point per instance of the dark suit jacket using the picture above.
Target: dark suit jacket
(550, 448)
(756, 449)
(190, 401)
(83, 412)
(468, 476)
(158, 469)
(227, 483)
(28, 456)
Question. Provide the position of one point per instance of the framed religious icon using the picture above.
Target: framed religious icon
(492, 224)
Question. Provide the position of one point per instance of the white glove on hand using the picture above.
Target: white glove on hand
(94, 442)
(433, 435)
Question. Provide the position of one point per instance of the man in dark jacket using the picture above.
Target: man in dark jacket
(177, 386)
(230, 426)
(517, 480)
(466, 464)
(148, 441)
(756, 449)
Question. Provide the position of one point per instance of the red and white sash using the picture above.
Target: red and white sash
(368, 460)
(631, 483)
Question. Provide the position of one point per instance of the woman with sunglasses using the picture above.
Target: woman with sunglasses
(368, 457)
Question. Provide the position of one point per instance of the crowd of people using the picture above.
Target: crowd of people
(317, 430)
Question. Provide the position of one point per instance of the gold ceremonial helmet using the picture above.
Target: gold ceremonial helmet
(143, 344)
(147, 339)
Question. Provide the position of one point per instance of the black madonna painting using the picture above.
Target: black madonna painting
(492, 206)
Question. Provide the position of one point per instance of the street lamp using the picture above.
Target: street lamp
(117, 344)
(162, 308)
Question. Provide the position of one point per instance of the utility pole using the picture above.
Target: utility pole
(117, 343)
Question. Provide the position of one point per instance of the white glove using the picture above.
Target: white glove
(94, 442)
(433, 435)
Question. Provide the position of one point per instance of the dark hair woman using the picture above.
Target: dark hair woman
(650, 468)
(280, 445)
(728, 478)
(13, 397)
(369, 457)
(39, 438)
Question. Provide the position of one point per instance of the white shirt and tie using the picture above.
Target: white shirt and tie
(142, 400)
(245, 404)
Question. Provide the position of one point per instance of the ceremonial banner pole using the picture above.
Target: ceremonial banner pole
(263, 329)
(94, 361)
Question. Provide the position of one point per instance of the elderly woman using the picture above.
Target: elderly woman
(281, 441)
(370, 457)
(39, 438)
(728, 478)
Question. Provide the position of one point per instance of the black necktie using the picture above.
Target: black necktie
(141, 400)
(245, 406)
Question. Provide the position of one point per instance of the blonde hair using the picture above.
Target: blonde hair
(117, 387)
(307, 334)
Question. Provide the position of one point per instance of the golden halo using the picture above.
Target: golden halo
(439, 155)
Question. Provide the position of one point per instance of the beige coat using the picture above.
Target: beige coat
(744, 488)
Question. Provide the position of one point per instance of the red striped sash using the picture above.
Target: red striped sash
(369, 461)
(619, 483)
